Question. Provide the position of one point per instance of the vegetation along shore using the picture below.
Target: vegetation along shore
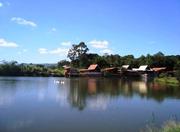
(80, 58)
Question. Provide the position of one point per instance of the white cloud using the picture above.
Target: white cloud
(102, 45)
(22, 21)
(108, 51)
(57, 51)
(60, 51)
(43, 50)
(99, 44)
(8, 44)
(1, 4)
(68, 43)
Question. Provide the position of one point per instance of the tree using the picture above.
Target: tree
(177, 68)
(77, 53)
(102, 62)
(63, 62)
(149, 60)
(158, 60)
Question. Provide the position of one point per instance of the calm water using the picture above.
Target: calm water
(84, 104)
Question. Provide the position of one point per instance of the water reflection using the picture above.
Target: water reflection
(69, 104)
(83, 92)
(97, 92)
(6, 91)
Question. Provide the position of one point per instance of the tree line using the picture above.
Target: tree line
(80, 58)
(13, 68)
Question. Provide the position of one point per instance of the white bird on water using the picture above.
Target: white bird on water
(59, 82)
(56, 82)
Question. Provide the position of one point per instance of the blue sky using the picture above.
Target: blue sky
(42, 31)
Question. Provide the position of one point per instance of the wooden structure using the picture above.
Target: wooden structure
(70, 72)
(143, 71)
(110, 72)
(142, 68)
(125, 67)
(93, 70)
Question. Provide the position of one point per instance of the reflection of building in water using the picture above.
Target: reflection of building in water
(86, 90)
(99, 102)
(92, 86)
(141, 87)
(157, 86)
(97, 92)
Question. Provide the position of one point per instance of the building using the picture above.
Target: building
(125, 67)
(70, 72)
(109, 72)
(159, 70)
(142, 68)
(93, 70)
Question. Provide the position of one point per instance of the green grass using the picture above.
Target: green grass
(169, 126)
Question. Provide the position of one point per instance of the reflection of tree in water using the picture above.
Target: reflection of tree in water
(160, 92)
(83, 89)
(78, 91)
(8, 89)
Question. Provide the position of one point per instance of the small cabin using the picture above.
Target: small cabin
(111, 70)
(125, 67)
(159, 70)
(142, 68)
(70, 72)
(92, 68)
(92, 71)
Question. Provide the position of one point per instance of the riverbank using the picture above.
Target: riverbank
(169, 126)
(168, 80)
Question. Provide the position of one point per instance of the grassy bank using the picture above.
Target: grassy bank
(168, 80)
(170, 126)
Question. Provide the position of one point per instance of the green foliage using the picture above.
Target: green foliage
(170, 126)
(163, 75)
(177, 68)
(15, 69)
(157, 60)
(62, 63)
(77, 54)
(102, 62)
(81, 59)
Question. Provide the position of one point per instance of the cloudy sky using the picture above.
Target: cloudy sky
(41, 31)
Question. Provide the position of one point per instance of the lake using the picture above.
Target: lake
(35, 104)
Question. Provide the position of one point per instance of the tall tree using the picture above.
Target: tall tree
(77, 53)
